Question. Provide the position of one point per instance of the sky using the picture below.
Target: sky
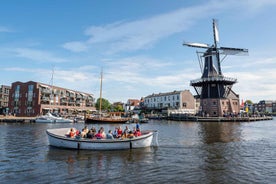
(137, 44)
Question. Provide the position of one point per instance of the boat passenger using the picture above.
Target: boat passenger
(130, 134)
(120, 131)
(78, 133)
(127, 129)
(93, 129)
(102, 132)
(86, 129)
(115, 133)
(83, 133)
(124, 135)
(137, 133)
(90, 134)
(137, 125)
(99, 135)
(109, 135)
(72, 133)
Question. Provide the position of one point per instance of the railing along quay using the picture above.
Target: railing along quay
(14, 119)
(181, 117)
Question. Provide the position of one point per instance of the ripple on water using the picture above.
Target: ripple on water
(187, 153)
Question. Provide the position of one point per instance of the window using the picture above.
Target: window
(184, 104)
(30, 87)
(30, 93)
(16, 93)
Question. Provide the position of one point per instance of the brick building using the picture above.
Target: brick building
(4, 98)
(34, 98)
(265, 106)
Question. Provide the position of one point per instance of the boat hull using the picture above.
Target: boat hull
(106, 120)
(41, 120)
(49, 118)
(57, 138)
(44, 120)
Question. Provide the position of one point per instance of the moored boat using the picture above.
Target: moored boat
(50, 118)
(58, 138)
(106, 120)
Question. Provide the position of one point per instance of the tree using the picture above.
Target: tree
(118, 108)
(249, 102)
(105, 104)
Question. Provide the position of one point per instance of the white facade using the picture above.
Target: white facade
(173, 100)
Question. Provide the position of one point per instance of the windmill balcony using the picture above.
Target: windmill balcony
(213, 79)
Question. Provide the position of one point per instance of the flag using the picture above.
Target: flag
(242, 104)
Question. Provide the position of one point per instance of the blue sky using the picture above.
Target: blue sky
(137, 43)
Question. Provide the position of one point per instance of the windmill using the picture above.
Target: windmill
(214, 89)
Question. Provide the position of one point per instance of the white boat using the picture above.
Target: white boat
(50, 118)
(58, 138)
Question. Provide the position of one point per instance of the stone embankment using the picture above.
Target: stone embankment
(15, 119)
(181, 117)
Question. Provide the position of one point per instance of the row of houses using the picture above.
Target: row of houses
(35, 98)
(263, 106)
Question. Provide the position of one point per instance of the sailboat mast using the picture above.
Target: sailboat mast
(52, 91)
(101, 86)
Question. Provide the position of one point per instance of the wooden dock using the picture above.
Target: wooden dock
(14, 119)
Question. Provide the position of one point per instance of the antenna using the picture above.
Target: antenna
(52, 83)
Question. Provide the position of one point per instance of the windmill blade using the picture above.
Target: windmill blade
(233, 51)
(215, 31)
(198, 45)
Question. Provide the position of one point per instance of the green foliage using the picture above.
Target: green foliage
(248, 102)
(118, 108)
(105, 104)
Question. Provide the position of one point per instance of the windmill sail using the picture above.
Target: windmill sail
(233, 51)
(216, 33)
(198, 45)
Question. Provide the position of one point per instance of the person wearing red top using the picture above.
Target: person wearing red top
(99, 135)
(120, 132)
(137, 133)
(72, 133)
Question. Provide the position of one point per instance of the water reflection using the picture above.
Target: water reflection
(220, 149)
(212, 132)
(98, 162)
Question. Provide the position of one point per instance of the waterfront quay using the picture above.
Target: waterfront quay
(14, 119)
(183, 117)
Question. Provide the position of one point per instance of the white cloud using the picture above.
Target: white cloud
(75, 46)
(140, 74)
(36, 55)
(141, 34)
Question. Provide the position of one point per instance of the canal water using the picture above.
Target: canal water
(188, 152)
